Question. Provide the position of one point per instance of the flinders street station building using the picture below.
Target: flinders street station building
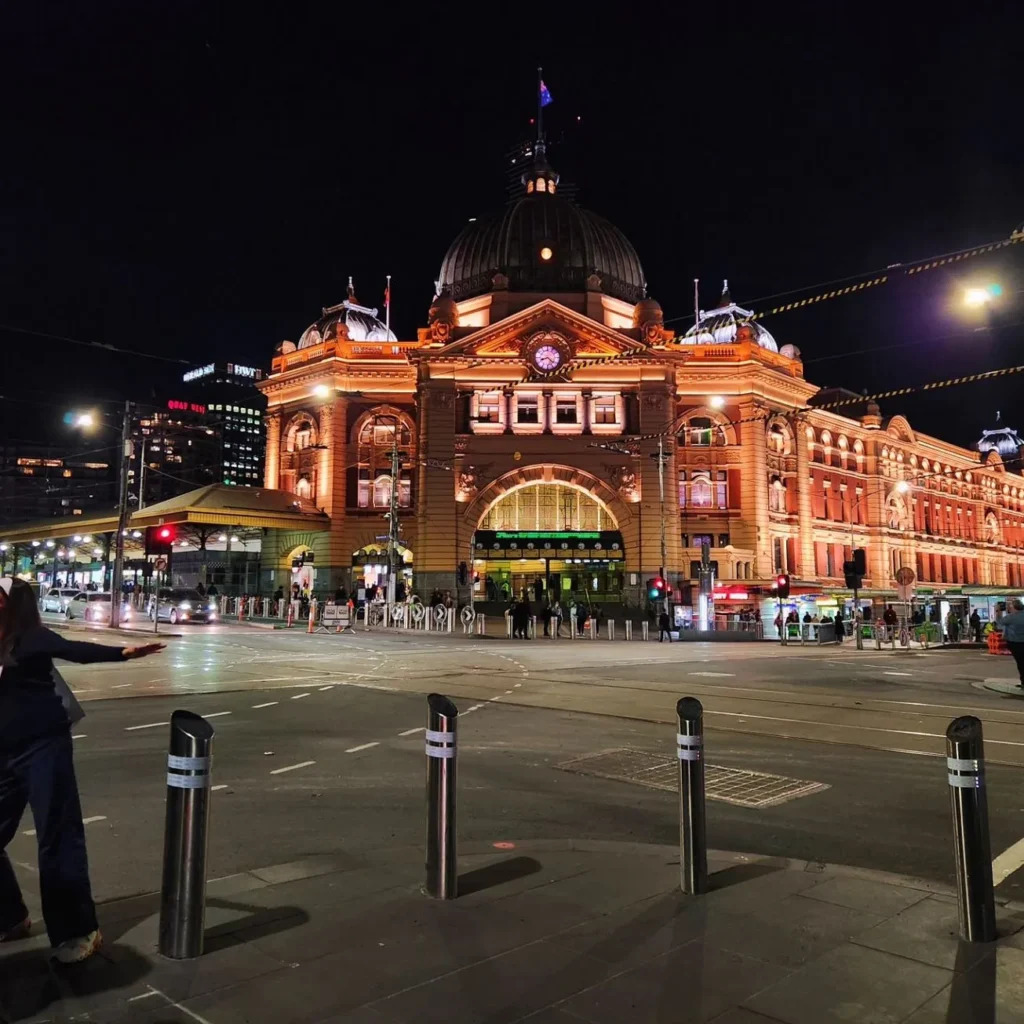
(529, 411)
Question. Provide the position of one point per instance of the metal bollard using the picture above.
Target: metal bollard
(481, 624)
(611, 630)
(451, 620)
(645, 630)
(183, 892)
(252, 607)
(533, 627)
(442, 877)
(629, 629)
(266, 607)
(573, 632)
(508, 627)
(972, 852)
(693, 844)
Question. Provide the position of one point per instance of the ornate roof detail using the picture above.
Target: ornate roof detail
(347, 321)
(1004, 440)
(727, 323)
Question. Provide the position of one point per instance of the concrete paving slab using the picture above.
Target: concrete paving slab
(851, 985)
(501, 989)
(695, 982)
(860, 894)
(989, 992)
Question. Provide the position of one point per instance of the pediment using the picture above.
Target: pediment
(546, 323)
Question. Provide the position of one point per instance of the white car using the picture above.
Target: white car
(94, 606)
(58, 599)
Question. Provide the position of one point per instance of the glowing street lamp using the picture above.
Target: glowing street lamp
(321, 391)
(716, 402)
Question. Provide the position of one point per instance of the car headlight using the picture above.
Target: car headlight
(212, 606)
(185, 606)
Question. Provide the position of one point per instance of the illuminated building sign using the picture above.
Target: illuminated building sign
(244, 371)
(178, 406)
(731, 594)
(199, 371)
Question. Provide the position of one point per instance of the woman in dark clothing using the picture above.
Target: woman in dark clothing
(36, 768)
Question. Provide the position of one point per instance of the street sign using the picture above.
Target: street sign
(161, 564)
(905, 591)
(905, 576)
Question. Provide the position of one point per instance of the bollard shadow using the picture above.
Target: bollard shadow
(497, 874)
(258, 923)
(972, 994)
(30, 983)
(739, 873)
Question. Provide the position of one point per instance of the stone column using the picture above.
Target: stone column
(803, 493)
(272, 465)
(588, 410)
(547, 410)
(507, 397)
(331, 488)
(753, 530)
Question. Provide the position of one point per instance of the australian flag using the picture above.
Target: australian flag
(545, 96)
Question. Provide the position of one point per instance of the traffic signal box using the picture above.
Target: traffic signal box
(160, 539)
(782, 585)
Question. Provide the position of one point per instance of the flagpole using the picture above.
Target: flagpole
(387, 309)
(540, 106)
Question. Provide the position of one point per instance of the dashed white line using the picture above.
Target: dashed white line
(508, 691)
(897, 673)
(299, 696)
(362, 746)
(517, 685)
(490, 699)
(223, 785)
(145, 995)
(475, 707)
(292, 767)
(219, 714)
(148, 725)
(269, 704)
(79, 736)
(120, 686)
(1008, 861)
(412, 732)
(714, 675)
(322, 688)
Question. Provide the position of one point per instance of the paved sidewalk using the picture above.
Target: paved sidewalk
(550, 932)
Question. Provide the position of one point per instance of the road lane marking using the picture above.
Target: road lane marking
(120, 686)
(85, 821)
(412, 732)
(218, 714)
(177, 1006)
(362, 746)
(223, 785)
(897, 673)
(79, 736)
(292, 767)
(299, 696)
(148, 725)
(507, 692)
(145, 995)
(269, 704)
(714, 675)
(322, 688)
(1008, 862)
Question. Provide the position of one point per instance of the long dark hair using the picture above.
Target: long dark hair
(19, 614)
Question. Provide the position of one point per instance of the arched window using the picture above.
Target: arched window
(777, 495)
(858, 451)
(776, 439)
(302, 487)
(378, 435)
(700, 431)
(700, 490)
(300, 433)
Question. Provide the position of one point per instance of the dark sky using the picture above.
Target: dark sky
(193, 180)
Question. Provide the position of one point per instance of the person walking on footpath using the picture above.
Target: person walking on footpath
(975, 622)
(1012, 627)
(664, 628)
(37, 769)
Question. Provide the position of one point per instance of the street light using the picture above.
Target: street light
(982, 295)
(321, 391)
(85, 419)
(716, 402)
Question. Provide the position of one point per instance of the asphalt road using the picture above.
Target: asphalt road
(344, 717)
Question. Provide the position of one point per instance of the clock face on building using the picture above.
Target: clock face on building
(547, 357)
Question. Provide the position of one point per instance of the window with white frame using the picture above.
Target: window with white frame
(527, 409)
(565, 409)
(604, 409)
(488, 409)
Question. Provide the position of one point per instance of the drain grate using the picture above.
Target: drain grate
(730, 785)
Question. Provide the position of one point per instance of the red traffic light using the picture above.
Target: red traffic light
(781, 581)
(165, 533)
(659, 583)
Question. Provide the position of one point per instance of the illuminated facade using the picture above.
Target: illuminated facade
(529, 412)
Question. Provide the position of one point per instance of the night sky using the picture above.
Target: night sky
(194, 181)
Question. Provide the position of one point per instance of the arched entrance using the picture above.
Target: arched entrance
(303, 569)
(370, 568)
(548, 533)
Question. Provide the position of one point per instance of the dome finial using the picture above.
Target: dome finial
(351, 290)
(726, 299)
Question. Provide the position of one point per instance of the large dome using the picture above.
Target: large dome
(542, 243)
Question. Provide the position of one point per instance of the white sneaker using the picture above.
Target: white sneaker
(74, 951)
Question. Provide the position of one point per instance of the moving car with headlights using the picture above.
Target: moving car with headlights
(94, 606)
(179, 604)
(58, 599)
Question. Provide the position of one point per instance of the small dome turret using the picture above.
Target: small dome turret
(727, 323)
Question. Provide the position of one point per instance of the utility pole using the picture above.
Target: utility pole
(122, 518)
(142, 474)
(661, 493)
(393, 517)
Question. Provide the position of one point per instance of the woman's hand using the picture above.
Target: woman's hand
(142, 651)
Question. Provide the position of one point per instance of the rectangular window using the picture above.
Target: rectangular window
(682, 488)
(364, 488)
(700, 431)
(565, 409)
(604, 409)
(722, 488)
(723, 540)
(527, 409)
(779, 562)
(699, 539)
(830, 561)
(488, 409)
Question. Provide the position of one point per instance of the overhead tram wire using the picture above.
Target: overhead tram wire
(102, 345)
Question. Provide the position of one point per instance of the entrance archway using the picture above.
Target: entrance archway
(303, 572)
(550, 532)
(370, 567)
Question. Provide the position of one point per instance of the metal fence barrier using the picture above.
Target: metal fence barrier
(693, 849)
(972, 852)
(442, 877)
(186, 832)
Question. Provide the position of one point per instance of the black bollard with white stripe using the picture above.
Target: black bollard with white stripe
(442, 877)
(972, 851)
(693, 848)
(183, 893)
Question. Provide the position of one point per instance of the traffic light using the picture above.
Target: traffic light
(860, 561)
(782, 585)
(854, 579)
(160, 539)
(656, 588)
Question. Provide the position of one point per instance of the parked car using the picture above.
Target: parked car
(180, 604)
(58, 599)
(94, 606)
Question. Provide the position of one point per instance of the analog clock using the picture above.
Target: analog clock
(547, 357)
